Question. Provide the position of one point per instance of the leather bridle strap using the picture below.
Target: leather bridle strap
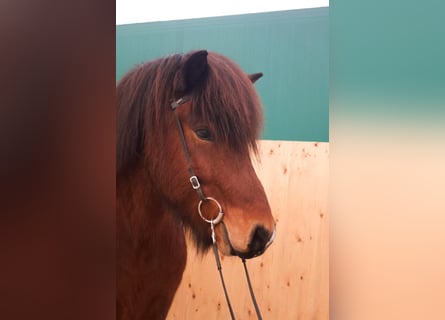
(197, 186)
(193, 178)
(252, 295)
(219, 267)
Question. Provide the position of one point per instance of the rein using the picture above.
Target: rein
(197, 187)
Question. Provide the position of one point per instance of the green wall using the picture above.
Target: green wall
(291, 48)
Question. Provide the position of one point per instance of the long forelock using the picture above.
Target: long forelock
(229, 105)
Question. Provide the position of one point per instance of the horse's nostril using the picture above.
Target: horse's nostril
(260, 238)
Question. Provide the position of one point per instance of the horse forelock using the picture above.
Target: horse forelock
(229, 105)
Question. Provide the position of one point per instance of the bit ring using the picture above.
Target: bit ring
(220, 214)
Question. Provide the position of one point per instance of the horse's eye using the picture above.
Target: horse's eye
(204, 134)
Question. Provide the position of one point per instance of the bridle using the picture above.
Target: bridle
(197, 187)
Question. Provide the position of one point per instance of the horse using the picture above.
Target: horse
(156, 199)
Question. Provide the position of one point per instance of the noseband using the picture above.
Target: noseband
(197, 187)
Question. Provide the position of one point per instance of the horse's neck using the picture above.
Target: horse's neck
(151, 251)
(143, 220)
(137, 203)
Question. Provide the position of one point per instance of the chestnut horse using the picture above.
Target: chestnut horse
(220, 120)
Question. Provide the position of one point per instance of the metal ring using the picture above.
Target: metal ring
(220, 214)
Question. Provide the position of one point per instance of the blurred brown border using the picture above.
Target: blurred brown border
(57, 159)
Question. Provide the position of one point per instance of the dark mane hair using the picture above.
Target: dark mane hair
(225, 101)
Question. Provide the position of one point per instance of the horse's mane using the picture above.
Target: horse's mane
(225, 101)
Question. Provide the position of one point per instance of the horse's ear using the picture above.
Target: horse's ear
(255, 76)
(196, 69)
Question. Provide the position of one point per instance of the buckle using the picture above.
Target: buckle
(195, 182)
(180, 101)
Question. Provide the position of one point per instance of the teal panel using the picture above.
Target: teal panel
(291, 48)
(391, 51)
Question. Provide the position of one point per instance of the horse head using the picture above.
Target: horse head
(220, 120)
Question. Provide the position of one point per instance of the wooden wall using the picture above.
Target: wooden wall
(291, 279)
